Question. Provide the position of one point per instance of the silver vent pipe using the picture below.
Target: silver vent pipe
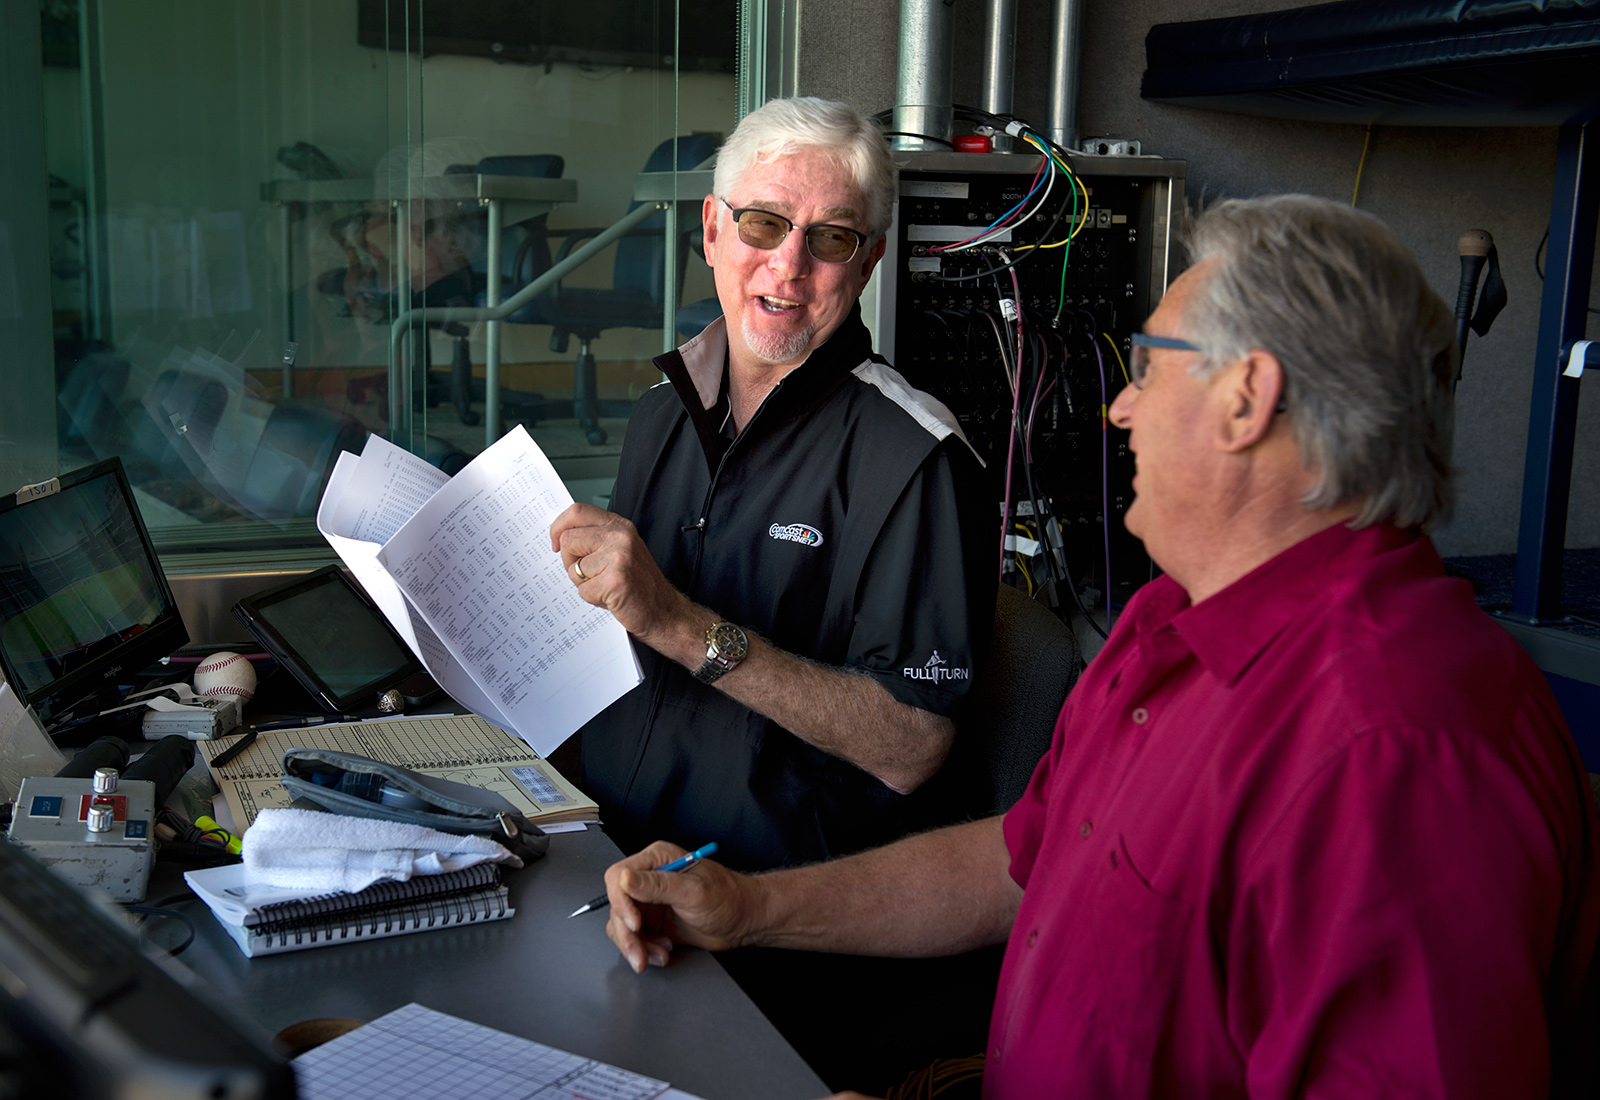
(1066, 59)
(927, 64)
(999, 62)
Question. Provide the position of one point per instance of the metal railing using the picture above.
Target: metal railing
(414, 319)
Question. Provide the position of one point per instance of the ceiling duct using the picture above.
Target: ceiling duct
(999, 61)
(927, 59)
(1066, 61)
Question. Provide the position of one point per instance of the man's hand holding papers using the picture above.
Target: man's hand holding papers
(460, 567)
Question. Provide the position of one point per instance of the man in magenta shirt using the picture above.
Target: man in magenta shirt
(1311, 824)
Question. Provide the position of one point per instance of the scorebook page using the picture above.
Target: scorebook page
(475, 563)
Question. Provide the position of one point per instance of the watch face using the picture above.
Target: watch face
(729, 641)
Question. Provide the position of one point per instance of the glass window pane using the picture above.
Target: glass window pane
(256, 213)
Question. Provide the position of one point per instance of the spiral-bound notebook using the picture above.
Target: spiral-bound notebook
(266, 920)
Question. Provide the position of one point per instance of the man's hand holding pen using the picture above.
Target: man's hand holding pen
(705, 906)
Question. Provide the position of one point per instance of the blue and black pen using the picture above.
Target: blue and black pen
(683, 864)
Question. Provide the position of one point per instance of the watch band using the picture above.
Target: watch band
(726, 646)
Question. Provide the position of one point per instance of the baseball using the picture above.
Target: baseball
(223, 675)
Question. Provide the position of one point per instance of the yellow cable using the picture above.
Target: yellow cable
(1083, 221)
(1022, 566)
(1078, 185)
(1365, 145)
(1126, 377)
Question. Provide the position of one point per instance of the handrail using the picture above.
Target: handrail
(422, 315)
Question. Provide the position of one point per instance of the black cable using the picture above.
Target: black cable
(172, 914)
(1538, 266)
(1043, 516)
(913, 134)
(1061, 208)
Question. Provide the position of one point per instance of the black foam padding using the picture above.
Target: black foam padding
(1398, 62)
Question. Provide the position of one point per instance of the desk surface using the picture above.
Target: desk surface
(537, 975)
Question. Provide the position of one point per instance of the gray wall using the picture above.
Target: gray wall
(1429, 184)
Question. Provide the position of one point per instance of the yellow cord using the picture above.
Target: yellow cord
(1022, 565)
(1365, 145)
(1126, 377)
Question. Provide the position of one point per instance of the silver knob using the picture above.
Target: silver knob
(101, 818)
(105, 780)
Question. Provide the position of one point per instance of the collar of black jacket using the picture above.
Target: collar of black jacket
(698, 373)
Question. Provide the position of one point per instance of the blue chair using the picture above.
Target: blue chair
(635, 298)
(465, 286)
(530, 253)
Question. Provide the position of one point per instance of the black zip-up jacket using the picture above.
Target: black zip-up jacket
(846, 524)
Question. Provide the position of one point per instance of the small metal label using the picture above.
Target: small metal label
(45, 805)
(933, 189)
(136, 830)
(952, 233)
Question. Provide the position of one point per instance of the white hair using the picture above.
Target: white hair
(785, 126)
(1368, 348)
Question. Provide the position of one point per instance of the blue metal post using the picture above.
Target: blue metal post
(1553, 412)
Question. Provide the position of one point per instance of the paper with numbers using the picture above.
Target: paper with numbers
(415, 1053)
(462, 567)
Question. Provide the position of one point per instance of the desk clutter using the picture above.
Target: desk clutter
(459, 748)
(266, 920)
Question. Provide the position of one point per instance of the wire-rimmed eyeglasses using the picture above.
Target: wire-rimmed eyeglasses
(832, 244)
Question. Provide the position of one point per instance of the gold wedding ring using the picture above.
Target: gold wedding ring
(577, 567)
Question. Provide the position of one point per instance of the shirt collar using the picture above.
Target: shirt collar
(698, 372)
(1230, 629)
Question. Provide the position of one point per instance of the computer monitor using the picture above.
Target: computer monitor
(85, 1015)
(83, 601)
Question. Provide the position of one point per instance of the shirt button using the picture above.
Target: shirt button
(1140, 716)
(1033, 937)
(1085, 829)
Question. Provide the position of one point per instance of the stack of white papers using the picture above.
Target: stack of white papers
(463, 570)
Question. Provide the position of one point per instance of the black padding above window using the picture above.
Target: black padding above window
(1399, 62)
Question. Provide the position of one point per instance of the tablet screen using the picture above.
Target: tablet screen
(331, 635)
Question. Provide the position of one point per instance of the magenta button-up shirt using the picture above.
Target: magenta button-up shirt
(1323, 834)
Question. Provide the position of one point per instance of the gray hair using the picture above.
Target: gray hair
(1368, 348)
(785, 126)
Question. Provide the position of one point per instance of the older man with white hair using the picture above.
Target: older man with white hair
(1312, 824)
(796, 537)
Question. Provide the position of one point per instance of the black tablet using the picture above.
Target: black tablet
(324, 630)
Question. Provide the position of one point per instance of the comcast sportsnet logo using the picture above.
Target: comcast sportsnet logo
(937, 670)
(803, 533)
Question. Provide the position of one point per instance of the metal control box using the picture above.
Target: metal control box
(51, 818)
(202, 720)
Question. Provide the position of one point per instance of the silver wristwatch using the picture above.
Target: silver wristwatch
(726, 646)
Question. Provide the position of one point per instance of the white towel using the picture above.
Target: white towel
(304, 849)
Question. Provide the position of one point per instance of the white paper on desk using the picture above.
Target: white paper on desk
(358, 512)
(475, 562)
(25, 749)
(415, 1053)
